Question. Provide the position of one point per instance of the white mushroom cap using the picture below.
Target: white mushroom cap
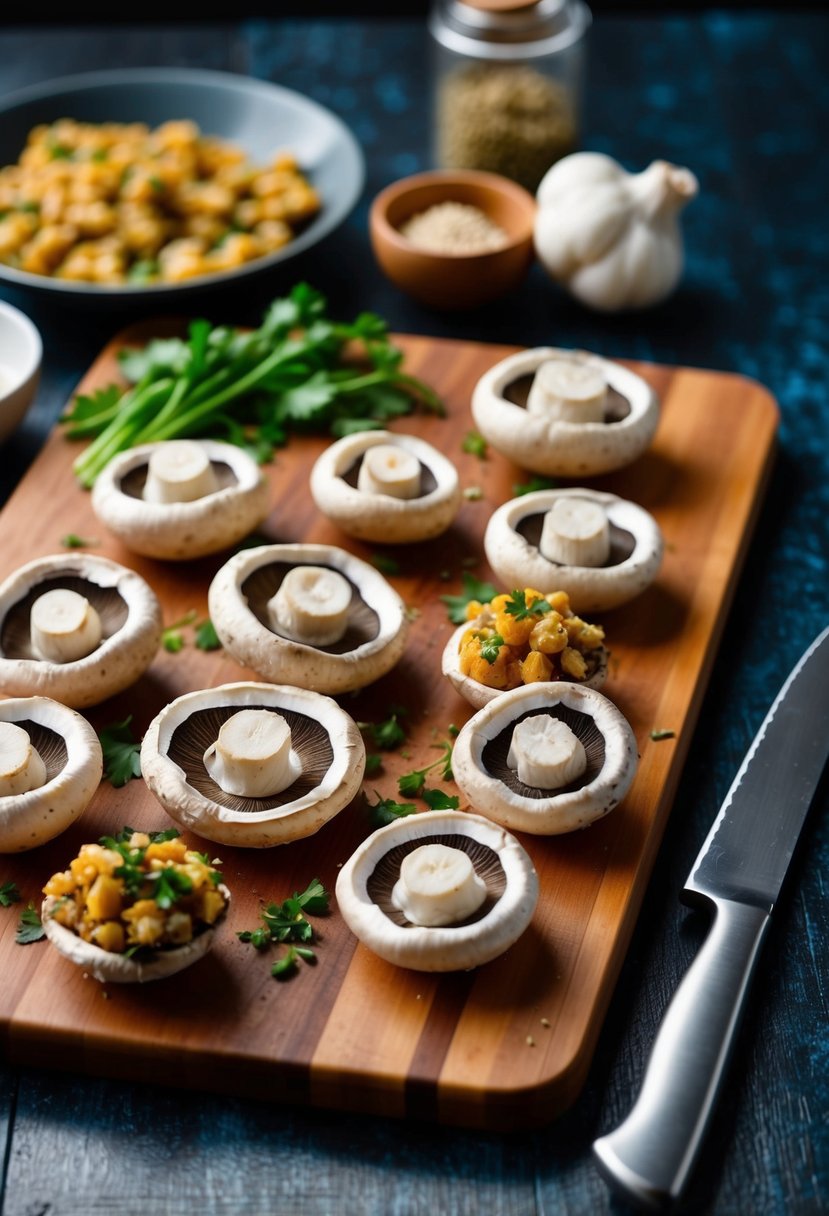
(479, 760)
(382, 517)
(112, 968)
(478, 695)
(558, 448)
(176, 530)
(373, 641)
(130, 617)
(326, 740)
(71, 753)
(511, 543)
(366, 880)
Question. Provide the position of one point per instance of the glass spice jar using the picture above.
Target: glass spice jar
(508, 77)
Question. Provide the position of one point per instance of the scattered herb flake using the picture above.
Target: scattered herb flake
(172, 638)
(30, 928)
(471, 589)
(206, 636)
(386, 810)
(388, 734)
(475, 445)
(658, 735)
(473, 493)
(518, 607)
(439, 800)
(73, 541)
(286, 966)
(9, 894)
(530, 487)
(386, 565)
(122, 754)
(490, 647)
(287, 922)
(374, 764)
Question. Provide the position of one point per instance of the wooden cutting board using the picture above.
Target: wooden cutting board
(509, 1044)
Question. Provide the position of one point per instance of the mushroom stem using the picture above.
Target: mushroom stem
(21, 765)
(252, 756)
(311, 605)
(179, 471)
(565, 390)
(438, 885)
(388, 469)
(64, 626)
(546, 753)
(576, 532)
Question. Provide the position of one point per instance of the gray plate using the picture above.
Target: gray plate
(260, 117)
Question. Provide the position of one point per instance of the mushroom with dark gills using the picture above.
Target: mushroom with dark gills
(601, 549)
(181, 498)
(253, 764)
(546, 758)
(380, 486)
(133, 908)
(565, 413)
(75, 627)
(310, 615)
(50, 767)
(438, 891)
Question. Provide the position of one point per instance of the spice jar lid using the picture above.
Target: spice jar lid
(504, 29)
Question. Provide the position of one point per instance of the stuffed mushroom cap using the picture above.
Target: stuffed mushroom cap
(375, 623)
(422, 508)
(366, 884)
(130, 629)
(180, 530)
(512, 543)
(328, 747)
(557, 447)
(482, 754)
(71, 755)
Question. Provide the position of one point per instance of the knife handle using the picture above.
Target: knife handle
(650, 1156)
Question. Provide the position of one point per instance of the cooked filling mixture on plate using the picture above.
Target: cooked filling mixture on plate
(123, 204)
(134, 891)
(524, 637)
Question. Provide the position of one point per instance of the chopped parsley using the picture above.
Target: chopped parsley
(386, 565)
(288, 922)
(172, 638)
(490, 647)
(286, 966)
(9, 894)
(122, 754)
(473, 493)
(388, 734)
(471, 589)
(30, 928)
(73, 541)
(386, 810)
(374, 764)
(530, 487)
(206, 636)
(475, 445)
(518, 607)
(658, 735)
(439, 800)
(410, 785)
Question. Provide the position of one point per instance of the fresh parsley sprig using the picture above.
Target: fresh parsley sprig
(30, 929)
(386, 810)
(471, 589)
(121, 752)
(172, 639)
(288, 922)
(388, 734)
(518, 607)
(9, 894)
(410, 785)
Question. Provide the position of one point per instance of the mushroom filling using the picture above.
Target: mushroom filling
(621, 543)
(498, 752)
(179, 471)
(21, 765)
(438, 886)
(260, 587)
(16, 637)
(389, 890)
(311, 605)
(576, 532)
(252, 756)
(310, 744)
(546, 753)
(354, 477)
(391, 470)
(565, 390)
(616, 407)
(64, 626)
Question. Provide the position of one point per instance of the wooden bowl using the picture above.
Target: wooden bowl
(453, 280)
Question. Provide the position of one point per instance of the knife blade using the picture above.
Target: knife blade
(738, 875)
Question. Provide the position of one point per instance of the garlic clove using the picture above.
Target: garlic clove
(388, 469)
(575, 532)
(546, 753)
(64, 626)
(252, 756)
(311, 605)
(21, 765)
(438, 885)
(565, 390)
(179, 471)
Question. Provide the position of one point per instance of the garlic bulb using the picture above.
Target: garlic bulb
(611, 238)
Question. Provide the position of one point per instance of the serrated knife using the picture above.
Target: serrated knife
(738, 874)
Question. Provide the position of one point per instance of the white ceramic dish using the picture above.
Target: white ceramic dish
(21, 351)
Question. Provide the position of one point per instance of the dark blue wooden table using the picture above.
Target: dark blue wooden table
(742, 100)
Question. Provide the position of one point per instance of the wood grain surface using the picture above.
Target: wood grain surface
(508, 1043)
